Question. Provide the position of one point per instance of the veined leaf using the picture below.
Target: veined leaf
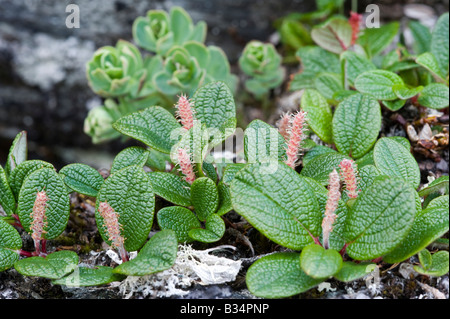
(10, 241)
(58, 205)
(375, 40)
(434, 96)
(133, 155)
(429, 225)
(334, 35)
(319, 114)
(158, 254)
(278, 275)
(378, 83)
(82, 178)
(320, 167)
(351, 271)
(179, 219)
(129, 192)
(204, 197)
(18, 152)
(356, 125)
(54, 266)
(393, 159)
(22, 171)
(429, 62)
(380, 219)
(279, 204)
(7, 200)
(439, 45)
(87, 277)
(319, 262)
(153, 126)
(213, 231)
(171, 187)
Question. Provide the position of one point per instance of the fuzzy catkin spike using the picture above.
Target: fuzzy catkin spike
(186, 166)
(38, 218)
(112, 227)
(332, 204)
(349, 172)
(296, 136)
(355, 21)
(283, 125)
(185, 111)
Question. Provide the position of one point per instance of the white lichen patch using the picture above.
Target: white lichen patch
(191, 267)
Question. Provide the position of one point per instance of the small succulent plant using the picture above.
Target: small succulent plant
(179, 63)
(262, 64)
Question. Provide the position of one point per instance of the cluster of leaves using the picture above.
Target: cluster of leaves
(179, 63)
(343, 60)
(262, 63)
(387, 220)
(128, 190)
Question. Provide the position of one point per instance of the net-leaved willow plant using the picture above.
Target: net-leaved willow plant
(183, 143)
(35, 197)
(348, 58)
(178, 63)
(342, 209)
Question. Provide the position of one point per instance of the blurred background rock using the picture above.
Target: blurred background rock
(43, 87)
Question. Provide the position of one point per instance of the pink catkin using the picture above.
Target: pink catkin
(283, 125)
(355, 21)
(112, 227)
(186, 165)
(296, 135)
(332, 204)
(185, 112)
(349, 173)
(38, 218)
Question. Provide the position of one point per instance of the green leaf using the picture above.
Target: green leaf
(82, 178)
(263, 143)
(439, 265)
(133, 155)
(378, 83)
(354, 64)
(7, 200)
(425, 258)
(10, 241)
(429, 62)
(394, 105)
(278, 275)
(319, 114)
(17, 153)
(328, 84)
(225, 204)
(321, 166)
(351, 271)
(422, 36)
(214, 107)
(179, 219)
(379, 219)
(318, 262)
(439, 202)
(157, 160)
(356, 125)
(393, 159)
(204, 197)
(58, 205)
(404, 93)
(434, 96)
(158, 254)
(314, 152)
(152, 126)
(334, 35)
(129, 192)
(439, 43)
(180, 24)
(54, 266)
(280, 204)
(214, 230)
(375, 40)
(22, 171)
(429, 225)
(439, 185)
(87, 277)
(230, 172)
(171, 187)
